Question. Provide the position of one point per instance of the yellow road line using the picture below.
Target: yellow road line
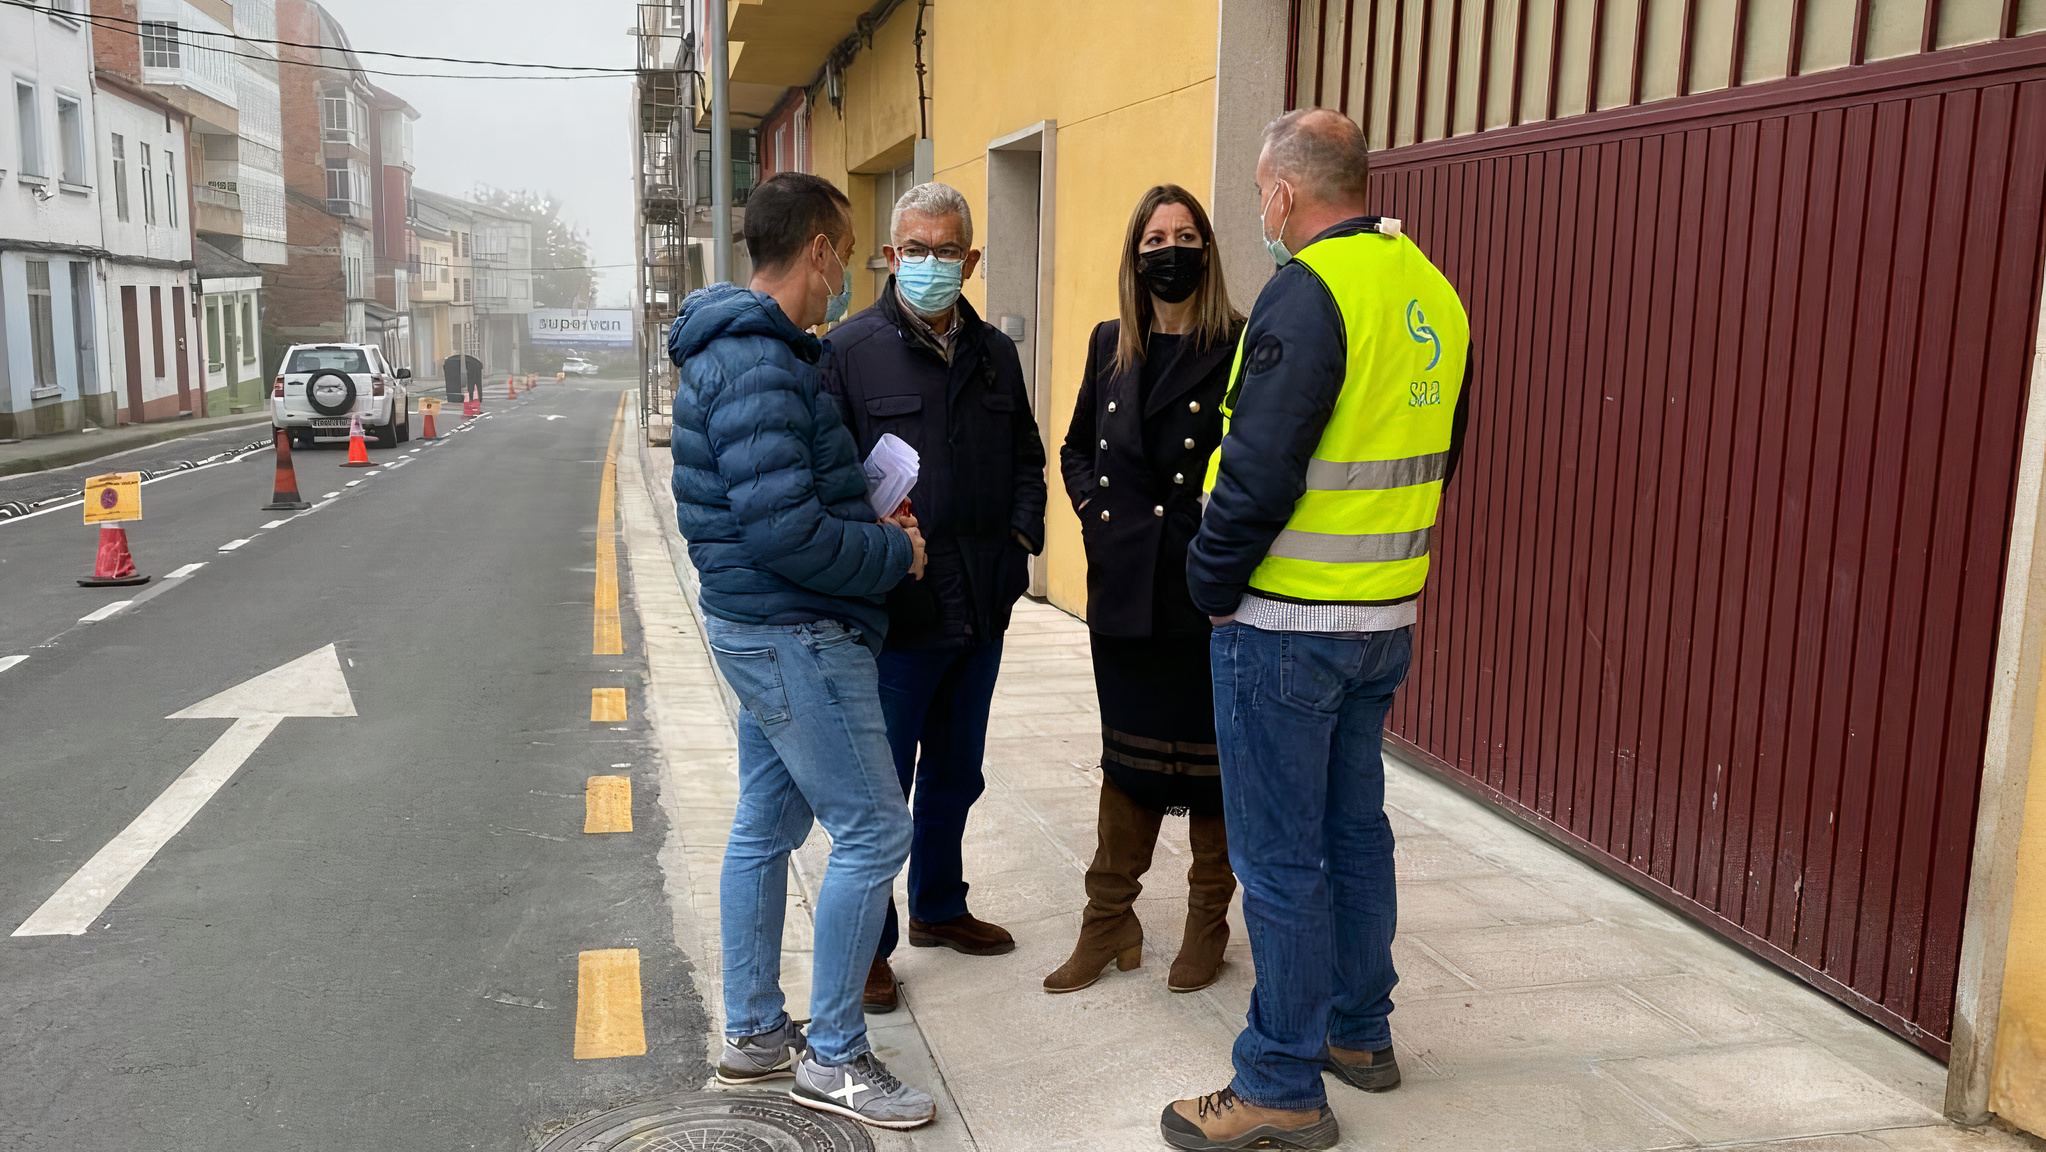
(607, 705)
(608, 1019)
(607, 804)
(606, 639)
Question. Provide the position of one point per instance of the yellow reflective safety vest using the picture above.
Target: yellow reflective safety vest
(1360, 533)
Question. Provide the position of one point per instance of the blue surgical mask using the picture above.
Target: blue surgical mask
(1281, 255)
(835, 308)
(930, 285)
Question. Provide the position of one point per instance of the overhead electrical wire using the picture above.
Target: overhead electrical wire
(119, 24)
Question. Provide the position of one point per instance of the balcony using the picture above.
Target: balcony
(216, 210)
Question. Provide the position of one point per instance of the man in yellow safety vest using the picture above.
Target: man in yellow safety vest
(1345, 415)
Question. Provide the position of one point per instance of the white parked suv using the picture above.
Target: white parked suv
(322, 385)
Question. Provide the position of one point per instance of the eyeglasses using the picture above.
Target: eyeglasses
(917, 253)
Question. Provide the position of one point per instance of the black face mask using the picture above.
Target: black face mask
(1173, 273)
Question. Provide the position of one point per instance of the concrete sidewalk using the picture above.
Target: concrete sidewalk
(1541, 1004)
(38, 453)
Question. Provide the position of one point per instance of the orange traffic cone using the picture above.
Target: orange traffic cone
(284, 493)
(113, 566)
(429, 433)
(471, 406)
(358, 452)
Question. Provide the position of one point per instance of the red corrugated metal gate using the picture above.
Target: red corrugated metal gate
(1716, 592)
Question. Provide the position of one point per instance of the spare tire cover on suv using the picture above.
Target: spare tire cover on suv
(318, 396)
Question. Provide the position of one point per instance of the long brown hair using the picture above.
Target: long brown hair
(1215, 319)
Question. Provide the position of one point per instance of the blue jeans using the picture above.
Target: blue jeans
(1299, 718)
(811, 740)
(937, 700)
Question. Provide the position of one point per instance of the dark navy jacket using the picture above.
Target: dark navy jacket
(980, 476)
(1295, 357)
(768, 486)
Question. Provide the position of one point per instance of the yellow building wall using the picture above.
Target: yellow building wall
(873, 130)
(2018, 1081)
(1134, 98)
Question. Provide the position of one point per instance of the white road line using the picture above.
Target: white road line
(231, 545)
(7, 662)
(330, 495)
(105, 612)
(277, 523)
(351, 483)
(367, 475)
(417, 451)
(187, 570)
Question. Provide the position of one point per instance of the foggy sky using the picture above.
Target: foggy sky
(571, 137)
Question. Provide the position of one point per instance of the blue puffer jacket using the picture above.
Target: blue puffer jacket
(768, 486)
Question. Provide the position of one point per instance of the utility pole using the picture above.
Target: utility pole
(720, 143)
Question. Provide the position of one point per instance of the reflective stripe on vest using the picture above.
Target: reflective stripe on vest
(1362, 529)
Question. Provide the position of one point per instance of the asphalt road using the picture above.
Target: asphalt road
(368, 938)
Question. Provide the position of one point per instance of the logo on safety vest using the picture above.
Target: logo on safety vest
(1417, 327)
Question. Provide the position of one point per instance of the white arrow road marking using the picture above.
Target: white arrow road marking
(312, 685)
(105, 612)
(7, 662)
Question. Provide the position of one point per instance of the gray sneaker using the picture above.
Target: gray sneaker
(751, 1059)
(862, 1090)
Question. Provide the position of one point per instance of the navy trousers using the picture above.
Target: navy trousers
(936, 703)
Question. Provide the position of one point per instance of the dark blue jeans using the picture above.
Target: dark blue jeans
(1299, 717)
(936, 701)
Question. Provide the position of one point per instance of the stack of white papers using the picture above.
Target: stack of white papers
(891, 473)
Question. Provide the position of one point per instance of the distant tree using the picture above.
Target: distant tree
(561, 254)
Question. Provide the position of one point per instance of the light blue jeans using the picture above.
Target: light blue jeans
(812, 743)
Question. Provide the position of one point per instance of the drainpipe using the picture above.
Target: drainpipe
(720, 143)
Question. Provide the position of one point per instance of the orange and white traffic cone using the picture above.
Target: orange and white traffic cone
(113, 567)
(284, 493)
(358, 451)
(429, 433)
(472, 405)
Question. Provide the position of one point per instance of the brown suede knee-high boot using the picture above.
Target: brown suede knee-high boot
(1126, 832)
(1209, 884)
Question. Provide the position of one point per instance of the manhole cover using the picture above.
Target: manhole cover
(714, 1122)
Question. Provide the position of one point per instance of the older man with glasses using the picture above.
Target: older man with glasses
(920, 363)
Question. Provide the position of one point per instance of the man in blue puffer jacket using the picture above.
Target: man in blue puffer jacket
(771, 496)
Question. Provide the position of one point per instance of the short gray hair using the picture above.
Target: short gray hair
(936, 201)
(1319, 152)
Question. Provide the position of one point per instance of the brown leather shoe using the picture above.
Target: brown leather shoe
(881, 994)
(962, 933)
(1221, 1122)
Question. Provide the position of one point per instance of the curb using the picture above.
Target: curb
(65, 457)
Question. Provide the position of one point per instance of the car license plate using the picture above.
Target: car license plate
(331, 425)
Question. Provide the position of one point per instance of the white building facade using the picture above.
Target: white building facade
(152, 314)
(53, 375)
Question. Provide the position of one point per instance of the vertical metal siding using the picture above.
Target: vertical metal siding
(1715, 596)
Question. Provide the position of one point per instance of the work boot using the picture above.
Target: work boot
(1125, 834)
(881, 994)
(751, 1059)
(864, 1090)
(962, 933)
(1209, 884)
(1221, 1122)
(1372, 1071)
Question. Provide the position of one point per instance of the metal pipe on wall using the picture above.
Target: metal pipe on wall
(720, 144)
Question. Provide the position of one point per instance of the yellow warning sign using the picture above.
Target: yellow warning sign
(429, 405)
(113, 497)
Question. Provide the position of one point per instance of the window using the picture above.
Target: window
(42, 328)
(349, 360)
(160, 44)
(71, 138)
(170, 187)
(213, 344)
(463, 238)
(75, 7)
(148, 187)
(248, 331)
(337, 121)
(82, 330)
(120, 177)
(28, 129)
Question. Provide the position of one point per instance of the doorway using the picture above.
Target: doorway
(1021, 179)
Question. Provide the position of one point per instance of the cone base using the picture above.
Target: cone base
(113, 581)
(359, 464)
(287, 506)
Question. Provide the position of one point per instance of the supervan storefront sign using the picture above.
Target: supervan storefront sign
(606, 329)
